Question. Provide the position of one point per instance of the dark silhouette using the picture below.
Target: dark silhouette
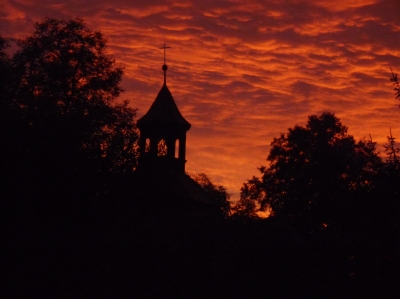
(163, 132)
(396, 84)
(312, 169)
(164, 129)
(66, 85)
(163, 152)
(392, 151)
(65, 145)
(217, 192)
(81, 218)
(339, 199)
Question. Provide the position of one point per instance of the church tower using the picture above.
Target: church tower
(163, 133)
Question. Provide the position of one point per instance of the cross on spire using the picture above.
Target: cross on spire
(165, 47)
(165, 67)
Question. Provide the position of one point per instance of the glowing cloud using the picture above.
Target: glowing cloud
(242, 73)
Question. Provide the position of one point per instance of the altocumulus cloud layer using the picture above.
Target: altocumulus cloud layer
(244, 71)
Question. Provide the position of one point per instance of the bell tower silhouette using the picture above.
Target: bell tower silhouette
(163, 132)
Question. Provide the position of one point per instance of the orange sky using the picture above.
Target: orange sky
(243, 73)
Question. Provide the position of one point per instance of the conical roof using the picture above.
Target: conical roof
(164, 110)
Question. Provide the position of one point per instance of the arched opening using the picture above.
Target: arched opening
(177, 148)
(147, 145)
(162, 148)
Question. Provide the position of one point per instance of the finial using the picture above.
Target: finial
(165, 67)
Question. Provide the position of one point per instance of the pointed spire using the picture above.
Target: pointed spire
(165, 67)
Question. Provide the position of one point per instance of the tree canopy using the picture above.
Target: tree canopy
(312, 170)
(65, 87)
(216, 192)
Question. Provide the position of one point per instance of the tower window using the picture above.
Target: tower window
(162, 148)
(177, 148)
(147, 145)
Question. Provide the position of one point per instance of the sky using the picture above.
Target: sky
(242, 72)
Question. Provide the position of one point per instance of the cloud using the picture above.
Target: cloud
(244, 72)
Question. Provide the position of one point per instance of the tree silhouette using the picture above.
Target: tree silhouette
(313, 169)
(5, 67)
(216, 192)
(65, 140)
(396, 84)
(67, 84)
(13, 127)
(252, 193)
(391, 177)
(392, 151)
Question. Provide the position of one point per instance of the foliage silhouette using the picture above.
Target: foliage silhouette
(339, 199)
(313, 170)
(5, 67)
(66, 143)
(66, 85)
(251, 194)
(216, 192)
(396, 84)
(392, 151)
(390, 182)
